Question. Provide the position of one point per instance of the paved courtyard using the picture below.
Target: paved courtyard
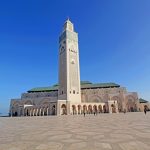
(102, 132)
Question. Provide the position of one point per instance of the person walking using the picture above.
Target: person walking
(145, 110)
(96, 112)
(124, 111)
(84, 113)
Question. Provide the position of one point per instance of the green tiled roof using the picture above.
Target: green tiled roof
(84, 85)
(142, 100)
(44, 89)
(85, 82)
(99, 85)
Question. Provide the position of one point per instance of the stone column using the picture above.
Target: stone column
(37, 111)
(40, 112)
(124, 103)
(109, 106)
(116, 105)
(43, 111)
(47, 112)
(30, 112)
(58, 108)
(68, 107)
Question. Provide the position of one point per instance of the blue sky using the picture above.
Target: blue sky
(114, 42)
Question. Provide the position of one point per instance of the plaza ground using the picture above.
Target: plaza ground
(130, 131)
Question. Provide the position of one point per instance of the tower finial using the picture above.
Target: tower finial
(68, 19)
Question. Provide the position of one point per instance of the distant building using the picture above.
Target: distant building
(144, 104)
(71, 96)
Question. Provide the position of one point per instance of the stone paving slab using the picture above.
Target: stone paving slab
(130, 131)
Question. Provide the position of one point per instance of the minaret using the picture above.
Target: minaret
(69, 70)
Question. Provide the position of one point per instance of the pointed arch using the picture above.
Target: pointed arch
(28, 102)
(84, 109)
(131, 103)
(90, 110)
(119, 102)
(100, 110)
(95, 98)
(63, 109)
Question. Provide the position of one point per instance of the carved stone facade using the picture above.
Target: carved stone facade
(71, 96)
(34, 104)
(100, 100)
(124, 99)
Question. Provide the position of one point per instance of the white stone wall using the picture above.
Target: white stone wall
(94, 97)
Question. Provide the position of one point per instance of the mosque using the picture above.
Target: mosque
(72, 96)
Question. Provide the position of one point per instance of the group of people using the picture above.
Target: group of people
(95, 113)
(124, 111)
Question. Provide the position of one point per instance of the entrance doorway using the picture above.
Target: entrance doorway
(113, 108)
(64, 109)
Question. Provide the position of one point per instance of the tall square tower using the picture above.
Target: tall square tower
(69, 69)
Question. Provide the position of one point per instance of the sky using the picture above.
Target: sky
(114, 43)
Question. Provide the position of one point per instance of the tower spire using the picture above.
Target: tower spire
(68, 19)
(68, 25)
